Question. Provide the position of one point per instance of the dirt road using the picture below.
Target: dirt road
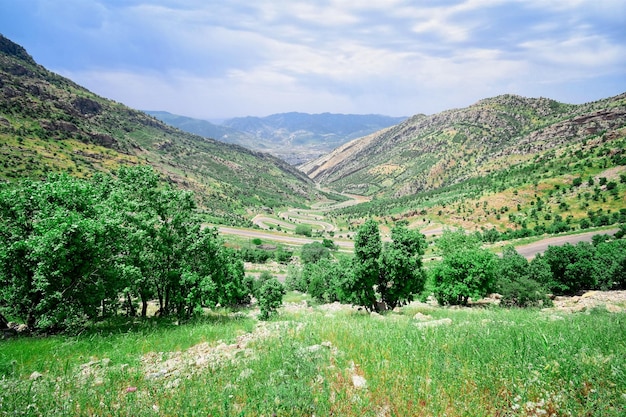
(530, 250)
(280, 237)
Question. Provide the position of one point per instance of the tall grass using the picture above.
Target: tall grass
(485, 363)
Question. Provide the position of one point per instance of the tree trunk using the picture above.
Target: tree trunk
(131, 307)
(4, 324)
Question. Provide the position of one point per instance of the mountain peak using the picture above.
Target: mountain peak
(10, 48)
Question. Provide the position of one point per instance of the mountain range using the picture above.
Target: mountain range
(499, 153)
(294, 137)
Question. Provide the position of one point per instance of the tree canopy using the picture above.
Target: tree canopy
(71, 249)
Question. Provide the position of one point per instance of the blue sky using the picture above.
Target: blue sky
(217, 59)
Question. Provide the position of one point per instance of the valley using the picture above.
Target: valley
(436, 265)
(281, 229)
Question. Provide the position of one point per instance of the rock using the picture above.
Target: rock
(589, 294)
(376, 315)
(35, 376)
(359, 382)
(612, 308)
(422, 317)
(327, 344)
(434, 323)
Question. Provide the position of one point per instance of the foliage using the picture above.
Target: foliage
(328, 243)
(304, 230)
(366, 269)
(515, 284)
(455, 240)
(326, 279)
(464, 274)
(392, 273)
(313, 252)
(401, 274)
(573, 268)
(270, 297)
(71, 249)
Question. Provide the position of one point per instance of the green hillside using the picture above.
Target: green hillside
(48, 123)
(490, 164)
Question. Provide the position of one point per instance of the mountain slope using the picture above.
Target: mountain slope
(429, 152)
(49, 123)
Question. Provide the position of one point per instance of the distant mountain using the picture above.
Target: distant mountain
(299, 137)
(49, 123)
(204, 128)
(499, 134)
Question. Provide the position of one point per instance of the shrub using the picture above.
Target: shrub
(270, 297)
(515, 284)
(304, 230)
(313, 252)
(573, 268)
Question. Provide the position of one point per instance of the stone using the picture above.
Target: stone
(359, 382)
(35, 376)
(434, 323)
(612, 308)
(422, 317)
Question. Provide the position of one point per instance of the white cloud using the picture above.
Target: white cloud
(220, 59)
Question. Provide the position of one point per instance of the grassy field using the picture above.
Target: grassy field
(327, 360)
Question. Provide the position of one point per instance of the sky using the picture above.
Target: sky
(215, 59)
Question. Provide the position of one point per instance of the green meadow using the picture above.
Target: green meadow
(327, 360)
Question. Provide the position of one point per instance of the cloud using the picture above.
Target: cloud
(220, 59)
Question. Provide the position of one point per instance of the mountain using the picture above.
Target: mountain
(205, 129)
(499, 134)
(49, 123)
(299, 137)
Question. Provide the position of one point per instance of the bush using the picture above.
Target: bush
(270, 297)
(313, 252)
(295, 280)
(304, 230)
(573, 268)
(515, 284)
(522, 292)
(283, 255)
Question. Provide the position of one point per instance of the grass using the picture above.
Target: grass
(487, 362)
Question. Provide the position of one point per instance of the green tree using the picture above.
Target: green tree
(304, 230)
(359, 288)
(455, 240)
(573, 268)
(56, 252)
(401, 275)
(270, 297)
(313, 252)
(464, 274)
(610, 258)
(515, 283)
